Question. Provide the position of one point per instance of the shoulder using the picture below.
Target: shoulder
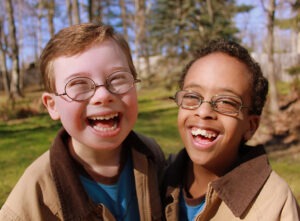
(278, 184)
(34, 190)
(36, 171)
(276, 200)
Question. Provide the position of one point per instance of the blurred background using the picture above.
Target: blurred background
(163, 35)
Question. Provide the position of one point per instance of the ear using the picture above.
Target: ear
(254, 121)
(49, 102)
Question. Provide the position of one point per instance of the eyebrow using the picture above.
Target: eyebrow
(87, 74)
(119, 68)
(77, 74)
(222, 90)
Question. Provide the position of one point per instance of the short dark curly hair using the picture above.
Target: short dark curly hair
(259, 82)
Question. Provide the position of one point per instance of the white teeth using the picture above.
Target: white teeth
(104, 129)
(204, 133)
(106, 117)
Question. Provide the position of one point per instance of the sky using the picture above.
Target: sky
(253, 24)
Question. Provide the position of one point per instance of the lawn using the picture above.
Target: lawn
(22, 140)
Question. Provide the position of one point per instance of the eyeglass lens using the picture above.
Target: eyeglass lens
(221, 103)
(82, 88)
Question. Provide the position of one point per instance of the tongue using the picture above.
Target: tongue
(205, 139)
(104, 123)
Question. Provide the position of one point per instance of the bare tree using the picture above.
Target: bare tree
(95, 11)
(3, 66)
(141, 46)
(270, 11)
(69, 11)
(51, 12)
(39, 26)
(124, 18)
(15, 72)
(76, 12)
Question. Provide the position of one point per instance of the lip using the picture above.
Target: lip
(203, 138)
(106, 124)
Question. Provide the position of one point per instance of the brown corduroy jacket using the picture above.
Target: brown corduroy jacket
(50, 188)
(251, 191)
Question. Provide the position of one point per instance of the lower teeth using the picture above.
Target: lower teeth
(105, 129)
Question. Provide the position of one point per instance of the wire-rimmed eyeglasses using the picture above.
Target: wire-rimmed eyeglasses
(83, 88)
(224, 104)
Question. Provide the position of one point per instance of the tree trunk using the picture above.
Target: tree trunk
(270, 53)
(95, 11)
(76, 12)
(124, 19)
(69, 12)
(39, 26)
(15, 72)
(3, 70)
(140, 37)
(51, 12)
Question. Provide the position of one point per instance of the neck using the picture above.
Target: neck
(103, 162)
(198, 180)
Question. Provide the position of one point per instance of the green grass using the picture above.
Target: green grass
(23, 140)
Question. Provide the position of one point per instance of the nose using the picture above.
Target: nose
(205, 110)
(102, 95)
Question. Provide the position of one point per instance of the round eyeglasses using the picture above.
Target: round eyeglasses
(83, 88)
(224, 104)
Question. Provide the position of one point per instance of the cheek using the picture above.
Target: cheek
(131, 105)
(70, 112)
(181, 121)
(235, 130)
(181, 117)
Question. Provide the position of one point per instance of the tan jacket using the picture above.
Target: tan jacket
(50, 188)
(251, 191)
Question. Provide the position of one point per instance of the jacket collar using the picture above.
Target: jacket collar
(76, 205)
(75, 202)
(237, 188)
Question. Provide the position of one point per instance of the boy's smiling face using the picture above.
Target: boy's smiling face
(103, 121)
(212, 139)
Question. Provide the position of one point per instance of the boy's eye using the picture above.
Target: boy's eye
(79, 85)
(190, 100)
(226, 101)
(119, 78)
(191, 96)
(227, 104)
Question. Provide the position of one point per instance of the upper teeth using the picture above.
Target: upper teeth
(106, 117)
(204, 133)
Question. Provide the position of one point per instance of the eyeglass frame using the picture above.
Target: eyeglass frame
(106, 85)
(211, 102)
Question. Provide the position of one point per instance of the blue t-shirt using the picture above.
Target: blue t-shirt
(120, 198)
(187, 212)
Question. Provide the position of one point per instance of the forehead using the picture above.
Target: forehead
(218, 73)
(101, 58)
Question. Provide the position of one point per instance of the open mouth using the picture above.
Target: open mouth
(204, 134)
(105, 123)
